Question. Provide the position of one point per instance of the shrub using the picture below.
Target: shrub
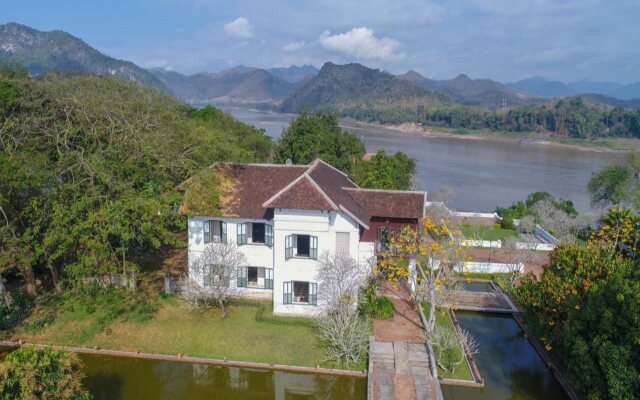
(382, 308)
(373, 306)
(12, 316)
(29, 373)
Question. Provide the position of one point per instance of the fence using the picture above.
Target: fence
(463, 214)
(493, 244)
(489, 267)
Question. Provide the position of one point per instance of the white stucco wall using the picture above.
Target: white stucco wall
(322, 224)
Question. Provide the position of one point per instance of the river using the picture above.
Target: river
(483, 173)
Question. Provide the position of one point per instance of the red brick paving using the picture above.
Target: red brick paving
(404, 387)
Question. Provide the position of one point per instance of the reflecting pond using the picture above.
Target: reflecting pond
(117, 378)
(509, 364)
(483, 287)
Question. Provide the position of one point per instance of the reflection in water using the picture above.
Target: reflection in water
(125, 378)
(510, 366)
(483, 173)
(478, 287)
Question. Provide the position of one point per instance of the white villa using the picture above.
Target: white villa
(282, 217)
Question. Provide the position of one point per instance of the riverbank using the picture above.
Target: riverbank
(613, 145)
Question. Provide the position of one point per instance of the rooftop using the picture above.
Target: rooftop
(254, 190)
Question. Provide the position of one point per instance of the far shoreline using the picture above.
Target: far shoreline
(413, 129)
(416, 130)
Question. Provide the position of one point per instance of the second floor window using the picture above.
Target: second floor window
(214, 231)
(255, 232)
(303, 246)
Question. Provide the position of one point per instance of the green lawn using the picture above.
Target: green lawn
(486, 232)
(249, 333)
(462, 371)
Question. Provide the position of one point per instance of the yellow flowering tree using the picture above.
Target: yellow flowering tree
(619, 231)
(435, 247)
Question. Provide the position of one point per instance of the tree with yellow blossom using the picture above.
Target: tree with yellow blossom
(439, 256)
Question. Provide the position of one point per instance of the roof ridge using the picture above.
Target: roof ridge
(259, 164)
(385, 190)
(293, 183)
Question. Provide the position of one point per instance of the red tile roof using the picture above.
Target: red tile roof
(257, 189)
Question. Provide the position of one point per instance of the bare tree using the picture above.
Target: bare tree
(527, 224)
(516, 258)
(564, 226)
(444, 194)
(211, 275)
(345, 336)
(339, 278)
(449, 348)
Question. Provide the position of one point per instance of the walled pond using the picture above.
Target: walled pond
(509, 364)
(118, 378)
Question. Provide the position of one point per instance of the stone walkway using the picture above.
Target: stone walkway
(398, 356)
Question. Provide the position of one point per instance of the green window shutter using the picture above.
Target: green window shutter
(268, 278)
(223, 232)
(242, 277)
(287, 293)
(242, 234)
(288, 247)
(313, 294)
(313, 247)
(206, 229)
(268, 235)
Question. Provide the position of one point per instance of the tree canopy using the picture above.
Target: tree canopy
(29, 374)
(89, 168)
(318, 135)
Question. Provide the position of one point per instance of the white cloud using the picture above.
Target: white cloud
(361, 43)
(294, 46)
(240, 28)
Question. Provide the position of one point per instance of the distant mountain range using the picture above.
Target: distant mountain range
(236, 85)
(472, 92)
(339, 86)
(295, 87)
(545, 88)
(59, 51)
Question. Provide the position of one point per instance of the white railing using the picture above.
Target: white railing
(489, 267)
(493, 244)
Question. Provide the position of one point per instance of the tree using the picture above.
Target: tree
(601, 338)
(608, 187)
(619, 231)
(211, 276)
(435, 247)
(527, 224)
(445, 194)
(446, 343)
(385, 172)
(311, 136)
(32, 374)
(345, 336)
(516, 258)
(339, 278)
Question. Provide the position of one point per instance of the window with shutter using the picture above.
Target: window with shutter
(242, 234)
(268, 235)
(342, 242)
(268, 278)
(288, 247)
(313, 247)
(313, 294)
(206, 229)
(242, 277)
(287, 293)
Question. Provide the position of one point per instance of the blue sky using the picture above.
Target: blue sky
(504, 40)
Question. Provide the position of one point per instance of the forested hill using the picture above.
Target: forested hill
(339, 87)
(59, 51)
(473, 92)
(89, 167)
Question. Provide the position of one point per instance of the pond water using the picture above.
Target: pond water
(484, 287)
(510, 366)
(483, 173)
(119, 378)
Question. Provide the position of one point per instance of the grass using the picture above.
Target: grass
(486, 232)
(249, 333)
(462, 371)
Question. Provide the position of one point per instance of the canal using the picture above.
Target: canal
(510, 366)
